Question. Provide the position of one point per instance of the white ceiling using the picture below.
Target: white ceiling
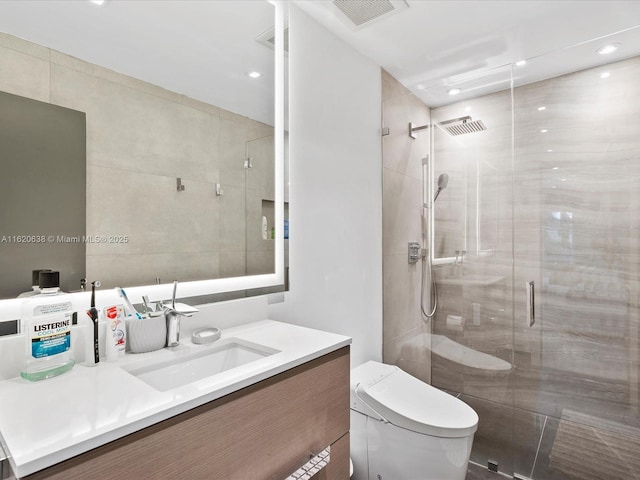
(433, 45)
(203, 49)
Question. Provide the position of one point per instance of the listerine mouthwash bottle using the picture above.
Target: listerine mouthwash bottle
(47, 319)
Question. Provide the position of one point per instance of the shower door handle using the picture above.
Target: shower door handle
(531, 300)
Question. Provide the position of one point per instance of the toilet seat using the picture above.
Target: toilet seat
(380, 390)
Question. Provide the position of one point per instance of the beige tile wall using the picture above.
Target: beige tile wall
(403, 344)
(577, 219)
(566, 214)
(568, 219)
(140, 138)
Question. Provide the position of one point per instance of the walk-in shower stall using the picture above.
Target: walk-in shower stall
(532, 252)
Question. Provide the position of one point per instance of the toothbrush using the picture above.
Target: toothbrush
(93, 315)
(129, 305)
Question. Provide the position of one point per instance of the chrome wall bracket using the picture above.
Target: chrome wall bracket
(413, 128)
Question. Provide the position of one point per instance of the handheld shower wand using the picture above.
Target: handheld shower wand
(443, 181)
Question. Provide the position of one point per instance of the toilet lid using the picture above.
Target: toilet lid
(409, 403)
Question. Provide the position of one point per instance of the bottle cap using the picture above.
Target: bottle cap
(35, 275)
(49, 279)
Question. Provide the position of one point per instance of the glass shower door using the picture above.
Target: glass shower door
(577, 225)
(472, 331)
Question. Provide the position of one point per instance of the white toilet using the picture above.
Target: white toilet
(405, 429)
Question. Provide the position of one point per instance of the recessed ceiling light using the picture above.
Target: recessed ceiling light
(454, 91)
(467, 109)
(563, 179)
(556, 168)
(97, 2)
(607, 49)
(549, 151)
(544, 130)
(254, 74)
(554, 187)
(542, 108)
(521, 63)
(605, 75)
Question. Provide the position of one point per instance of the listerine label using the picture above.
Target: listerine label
(52, 308)
(50, 335)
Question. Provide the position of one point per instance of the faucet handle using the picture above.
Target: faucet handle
(181, 309)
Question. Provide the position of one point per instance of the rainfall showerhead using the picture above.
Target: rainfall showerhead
(462, 126)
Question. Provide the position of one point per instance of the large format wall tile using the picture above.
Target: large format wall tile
(124, 269)
(402, 212)
(170, 222)
(403, 222)
(24, 68)
(401, 296)
(131, 130)
(401, 153)
(564, 212)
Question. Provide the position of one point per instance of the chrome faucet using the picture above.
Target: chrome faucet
(173, 314)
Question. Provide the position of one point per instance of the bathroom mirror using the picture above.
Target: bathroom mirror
(184, 106)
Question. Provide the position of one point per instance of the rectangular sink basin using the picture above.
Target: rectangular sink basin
(197, 363)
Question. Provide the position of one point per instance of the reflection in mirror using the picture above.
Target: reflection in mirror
(180, 142)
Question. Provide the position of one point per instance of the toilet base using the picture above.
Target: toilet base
(382, 451)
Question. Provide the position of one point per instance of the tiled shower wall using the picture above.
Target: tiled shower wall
(577, 228)
(140, 138)
(562, 211)
(404, 341)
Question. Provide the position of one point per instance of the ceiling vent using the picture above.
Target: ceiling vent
(362, 12)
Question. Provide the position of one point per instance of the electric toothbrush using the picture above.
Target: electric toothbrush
(92, 313)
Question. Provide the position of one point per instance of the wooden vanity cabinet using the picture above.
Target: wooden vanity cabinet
(265, 431)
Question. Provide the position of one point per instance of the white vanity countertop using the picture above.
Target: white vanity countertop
(43, 423)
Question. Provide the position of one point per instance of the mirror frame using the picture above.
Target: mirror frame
(10, 308)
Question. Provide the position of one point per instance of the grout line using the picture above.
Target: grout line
(535, 460)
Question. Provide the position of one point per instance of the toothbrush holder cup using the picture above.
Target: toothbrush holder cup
(146, 334)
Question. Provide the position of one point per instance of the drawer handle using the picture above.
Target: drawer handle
(313, 466)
